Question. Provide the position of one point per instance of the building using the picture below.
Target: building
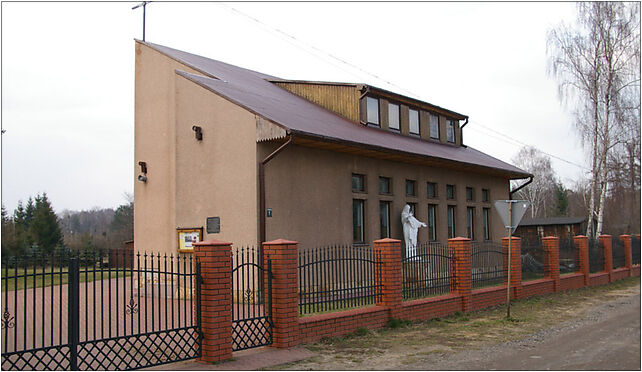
(533, 229)
(248, 157)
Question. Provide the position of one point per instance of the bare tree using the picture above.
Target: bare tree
(596, 65)
(541, 192)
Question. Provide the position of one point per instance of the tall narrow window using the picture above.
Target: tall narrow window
(372, 110)
(413, 208)
(470, 222)
(486, 213)
(384, 185)
(413, 119)
(393, 116)
(358, 183)
(451, 221)
(357, 221)
(434, 126)
(432, 222)
(411, 188)
(384, 219)
(450, 131)
(450, 192)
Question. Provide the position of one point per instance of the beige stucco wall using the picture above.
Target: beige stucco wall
(215, 177)
(163, 203)
(309, 191)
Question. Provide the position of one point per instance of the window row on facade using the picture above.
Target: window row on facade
(358, 220)
(385, 188)
(394, 119)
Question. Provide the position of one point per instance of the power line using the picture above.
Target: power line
(294, 40)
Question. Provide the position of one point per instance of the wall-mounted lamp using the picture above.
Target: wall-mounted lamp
(143, 168)
(198, 132)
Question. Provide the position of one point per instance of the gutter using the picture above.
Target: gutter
(262, 164)
(461, 133)
(510, 194)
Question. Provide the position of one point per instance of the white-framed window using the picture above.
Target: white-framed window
(372, 110)
(413, 120)
(393, 116)
(434, 126)
(450, 131)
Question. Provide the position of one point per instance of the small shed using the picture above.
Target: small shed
(531, 229)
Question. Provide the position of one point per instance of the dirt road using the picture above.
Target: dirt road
(596, 328)
(606, 338)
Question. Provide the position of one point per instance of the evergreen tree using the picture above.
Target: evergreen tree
(561, 200)
(8, 235)
(44, 228)
(30, 211)
(21, 238)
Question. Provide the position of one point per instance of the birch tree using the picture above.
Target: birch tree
(541, 192)
(595, 63)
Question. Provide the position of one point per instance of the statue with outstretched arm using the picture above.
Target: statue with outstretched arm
(410, 227)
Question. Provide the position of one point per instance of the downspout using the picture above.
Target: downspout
(510, 194)
(262, 186)
(461, 132)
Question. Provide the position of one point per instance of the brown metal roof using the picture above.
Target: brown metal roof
(552, 221)
(254, 91)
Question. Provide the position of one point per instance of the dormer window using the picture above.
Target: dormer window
(372, 109)
(450, 131)
(393, 116)
(413, 119)
(434, 126)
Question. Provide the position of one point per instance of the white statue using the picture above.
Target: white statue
(410, 227)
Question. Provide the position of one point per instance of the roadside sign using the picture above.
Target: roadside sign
(519, 208)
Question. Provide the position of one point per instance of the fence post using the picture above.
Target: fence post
(581, 244)
(72, 310)
(388, 254)
(515, 265)
(608, 255)
(215, 258)
(628, 252)
(459, 248)
(285, 283)
(552, 247)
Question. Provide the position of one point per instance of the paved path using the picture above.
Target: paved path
(607, 338)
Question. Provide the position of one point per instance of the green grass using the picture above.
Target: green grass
(49, 279)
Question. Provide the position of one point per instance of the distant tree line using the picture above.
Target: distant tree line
(35, 228)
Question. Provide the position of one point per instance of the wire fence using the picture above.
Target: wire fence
(635, 250)
(428, 273)
(617, 252)
(337, 278)
(534, 260)
(596, 256)
(569, 256)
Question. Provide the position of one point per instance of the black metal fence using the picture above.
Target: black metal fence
(635, 250)
(252, 300)
(488, 264)
(74, 310)
(337, 278)
(596, 256)
(617, 252)
(534, 260)
(428, 273)
(569, 256)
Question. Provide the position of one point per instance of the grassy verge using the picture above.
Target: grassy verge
(405, 343)
(36, 278)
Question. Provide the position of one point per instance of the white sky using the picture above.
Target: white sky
(68, 76)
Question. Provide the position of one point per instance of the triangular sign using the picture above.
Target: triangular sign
(519, 208)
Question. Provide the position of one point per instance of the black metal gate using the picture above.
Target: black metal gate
(251, 300)
(99, 310)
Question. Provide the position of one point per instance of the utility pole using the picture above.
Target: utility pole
(144, 5)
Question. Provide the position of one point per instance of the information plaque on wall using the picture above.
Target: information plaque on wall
(187, 238)
(213, 225)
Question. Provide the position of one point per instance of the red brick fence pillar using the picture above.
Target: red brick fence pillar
(459, 248)
(628, 252)
(581, 244)
(285, 297)
(515, 265)
(552, 248)
(216, 299)
(608, 255)
(388, 252)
